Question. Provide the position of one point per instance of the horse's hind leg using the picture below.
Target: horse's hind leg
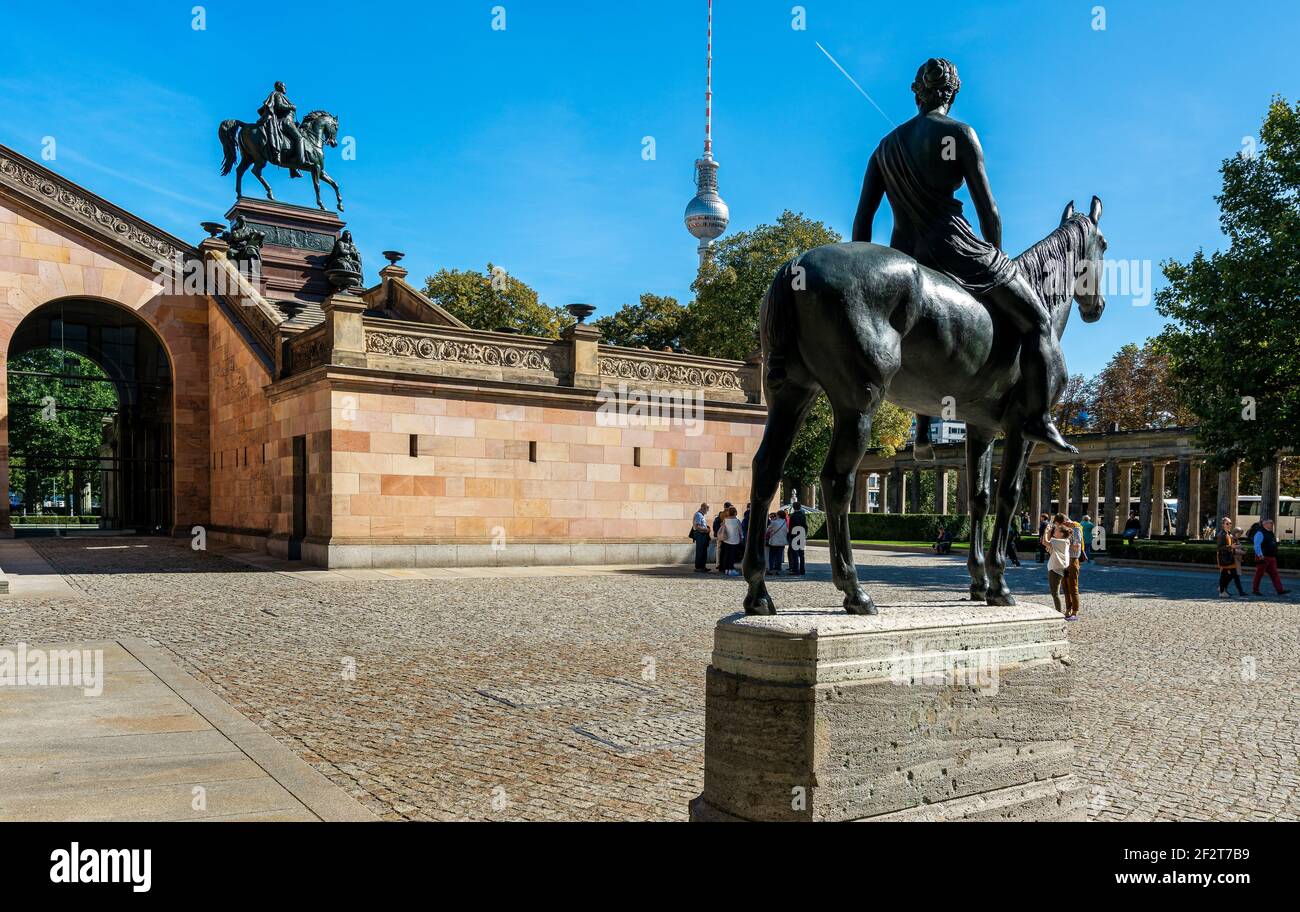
(788, 405)
(849, 441)
(1010, 482)
(979, 471)
(338, 196)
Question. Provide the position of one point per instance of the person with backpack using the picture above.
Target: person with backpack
(798, 540)
(777, 536)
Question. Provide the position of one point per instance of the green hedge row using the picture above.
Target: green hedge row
(903, 526)
(1288, 556)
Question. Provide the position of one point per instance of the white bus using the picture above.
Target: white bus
(1284, 526)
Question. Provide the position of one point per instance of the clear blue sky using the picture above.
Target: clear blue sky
(523, 147)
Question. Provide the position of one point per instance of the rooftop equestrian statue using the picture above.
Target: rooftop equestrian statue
(942, 318)
(277, 140)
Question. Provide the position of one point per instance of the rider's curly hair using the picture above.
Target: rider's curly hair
(936, 83)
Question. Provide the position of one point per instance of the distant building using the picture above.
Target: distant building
(942, 430)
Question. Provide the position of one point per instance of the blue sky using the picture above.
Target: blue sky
(523, 146)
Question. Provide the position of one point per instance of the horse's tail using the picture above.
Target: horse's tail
(777, 320)
(227, 132)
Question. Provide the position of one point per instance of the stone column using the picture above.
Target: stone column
(1270, 500)
(1194, 498)
(941, 491)
(896, 483)
(345, 329)
(1112, 477)
(1076, 491)
(963, 493)
(1063, 476)
(914, 492)
(1228, 481)
(940, 713)
(1145, 513)
(1094, 491)
(6, 527)
(1035, 494)
(1125, 494)
(1185, 521)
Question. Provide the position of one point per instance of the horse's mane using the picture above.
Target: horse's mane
(315, 115)
(1050, 265)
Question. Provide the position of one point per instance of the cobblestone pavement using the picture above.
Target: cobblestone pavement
(580, 697)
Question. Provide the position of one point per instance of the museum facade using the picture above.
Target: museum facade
(366, 427)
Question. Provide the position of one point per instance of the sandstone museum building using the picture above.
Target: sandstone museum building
(354, 427)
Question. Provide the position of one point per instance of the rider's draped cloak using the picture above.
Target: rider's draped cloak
(933, 220)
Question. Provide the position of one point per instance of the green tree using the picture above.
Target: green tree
(655, 323)
(1132, 391)
(57, 404)
(1232, 348)
(722, 320)
(493, 299)
(803, 467)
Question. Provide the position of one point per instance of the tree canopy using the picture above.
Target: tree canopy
(656, 323)
(493, 299)
(1233, 358)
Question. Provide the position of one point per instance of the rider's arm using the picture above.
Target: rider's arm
(873, 191)
(972, 159)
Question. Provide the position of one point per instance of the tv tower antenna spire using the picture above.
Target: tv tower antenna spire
(707, 215)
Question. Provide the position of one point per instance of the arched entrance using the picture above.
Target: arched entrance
(90, 421)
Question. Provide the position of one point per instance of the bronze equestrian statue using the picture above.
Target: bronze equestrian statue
(940, 315)
(276, 139)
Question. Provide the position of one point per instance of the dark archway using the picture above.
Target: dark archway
(79, 451)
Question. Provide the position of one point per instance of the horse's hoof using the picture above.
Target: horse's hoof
(860, 603)
(759, 604)
(340, 207)
(1000, 599)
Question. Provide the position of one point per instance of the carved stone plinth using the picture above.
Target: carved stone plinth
(298, 240)
(946, 711)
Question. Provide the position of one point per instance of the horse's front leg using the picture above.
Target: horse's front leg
(338, 195)
(849, 442)
(979, 474)
(1010, 482)
(257, 173)
(315, 182)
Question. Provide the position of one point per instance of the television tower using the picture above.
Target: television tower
(707, 215)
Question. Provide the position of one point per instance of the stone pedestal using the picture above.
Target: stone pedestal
(298, 240)
(947, 711)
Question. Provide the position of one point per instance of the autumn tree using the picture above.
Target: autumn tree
(1232, 350)
(494, 299)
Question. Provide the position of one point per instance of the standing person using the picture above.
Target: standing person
(744, 524)
(798, 540)
(1225, 555)
(730, 544)
(700, 535)
(777, 538)
(1088, 526)
(1265, 543)
(717, 534)
(1056, 542)
(1042, 537)
(1013, 554)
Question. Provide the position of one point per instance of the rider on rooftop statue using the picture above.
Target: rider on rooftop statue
(919, 166)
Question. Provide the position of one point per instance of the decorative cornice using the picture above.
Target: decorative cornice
(77, 206)
(645, 370)
(427, 348)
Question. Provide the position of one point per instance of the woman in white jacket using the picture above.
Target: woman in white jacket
(778, 536)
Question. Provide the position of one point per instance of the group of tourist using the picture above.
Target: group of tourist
(1229, 552)
(785, 530)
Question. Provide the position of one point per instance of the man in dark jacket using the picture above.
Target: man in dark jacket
(798, 540)
(1265, 543)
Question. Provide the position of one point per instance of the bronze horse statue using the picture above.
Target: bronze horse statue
(319, 129)
(866, 323)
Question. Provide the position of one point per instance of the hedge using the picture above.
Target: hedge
(1288, 556)
(904, 527)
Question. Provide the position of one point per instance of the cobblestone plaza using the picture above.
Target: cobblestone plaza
(577, 694)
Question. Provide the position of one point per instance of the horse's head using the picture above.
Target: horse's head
(1090, 270)
(323, 125)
